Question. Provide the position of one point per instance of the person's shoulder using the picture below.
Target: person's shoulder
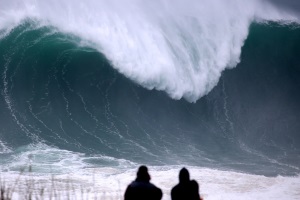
(175, 189)
(154, 186)
(134, 184)
(194, 185)
(157, 192)
(193, 182)
(141, 184)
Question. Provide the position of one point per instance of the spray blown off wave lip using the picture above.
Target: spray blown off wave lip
(180, 48)
(66, 110)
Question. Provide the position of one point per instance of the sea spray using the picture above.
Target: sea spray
(67, 111)
(180, 48)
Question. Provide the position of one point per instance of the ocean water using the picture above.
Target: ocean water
(90, 91)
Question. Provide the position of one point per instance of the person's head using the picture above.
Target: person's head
(142, 174)
(184, 175)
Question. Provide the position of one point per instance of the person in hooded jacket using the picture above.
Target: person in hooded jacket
(141, 188)
(186, 189)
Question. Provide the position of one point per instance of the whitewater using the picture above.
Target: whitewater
(178, 47)
(91, 90)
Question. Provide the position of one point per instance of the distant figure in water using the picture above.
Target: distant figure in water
(186, 189)
(141, 188)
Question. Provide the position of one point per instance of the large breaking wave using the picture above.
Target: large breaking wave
(73, 79)
(180, 48)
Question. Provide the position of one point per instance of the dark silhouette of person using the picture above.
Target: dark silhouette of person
(186, 189)
(141, 188)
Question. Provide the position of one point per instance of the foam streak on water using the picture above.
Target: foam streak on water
(4, 148)
(62, 116)
(180, 48)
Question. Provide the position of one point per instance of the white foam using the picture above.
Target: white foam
(4, 148)
(111, 183)
(171, 45)
(75, 173)
(44, 159)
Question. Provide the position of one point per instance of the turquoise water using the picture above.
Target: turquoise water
(99, 88)
(62, 94)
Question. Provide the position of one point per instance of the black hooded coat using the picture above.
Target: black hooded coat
(186, 189)
(141, 188)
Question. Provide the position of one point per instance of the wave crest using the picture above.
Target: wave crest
(180, 48)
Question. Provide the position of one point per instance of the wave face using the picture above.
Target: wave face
(98, 86)
(58, 92)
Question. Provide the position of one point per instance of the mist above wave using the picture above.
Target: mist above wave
(175, 46)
